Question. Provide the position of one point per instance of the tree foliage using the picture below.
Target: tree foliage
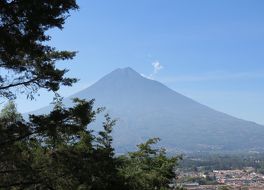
(57, 151)
(149, 168)
(26, 61)
(10, 113)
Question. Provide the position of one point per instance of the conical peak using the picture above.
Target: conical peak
(126, 70)
(124, 73)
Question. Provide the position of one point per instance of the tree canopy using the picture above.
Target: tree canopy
(57, 151)
(26, 61)
(60, 151)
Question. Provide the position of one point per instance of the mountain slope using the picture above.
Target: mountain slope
(146, 108)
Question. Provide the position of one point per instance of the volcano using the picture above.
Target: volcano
(146, 108)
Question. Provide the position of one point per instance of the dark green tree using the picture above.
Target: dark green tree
(27, 64)
(60, 152)
(14, 152)
(26, 61)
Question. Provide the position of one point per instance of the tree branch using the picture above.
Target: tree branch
(19, 83)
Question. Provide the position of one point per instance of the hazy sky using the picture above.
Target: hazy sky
(209, 50)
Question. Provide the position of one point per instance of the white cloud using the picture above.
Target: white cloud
(156, 68)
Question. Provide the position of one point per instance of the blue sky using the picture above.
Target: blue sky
(211, 51)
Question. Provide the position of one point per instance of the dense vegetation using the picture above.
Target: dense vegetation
(59, 150)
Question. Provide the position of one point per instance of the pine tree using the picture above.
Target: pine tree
(26, 61)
